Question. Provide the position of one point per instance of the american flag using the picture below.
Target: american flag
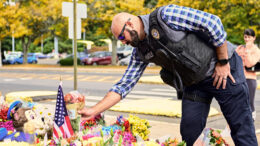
(62, 126)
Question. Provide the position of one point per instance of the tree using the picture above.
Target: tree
(3, 34)
(39, 18)
(9, 21)
(236, 15)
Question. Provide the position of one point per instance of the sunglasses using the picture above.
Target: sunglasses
(121, 35)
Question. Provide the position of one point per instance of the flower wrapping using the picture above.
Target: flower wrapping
(74, 101)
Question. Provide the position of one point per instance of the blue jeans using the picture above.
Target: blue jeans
(233, 102)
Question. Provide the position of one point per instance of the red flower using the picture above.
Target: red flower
(3, 113)
(127, 125)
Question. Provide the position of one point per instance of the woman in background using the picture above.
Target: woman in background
(250, 55)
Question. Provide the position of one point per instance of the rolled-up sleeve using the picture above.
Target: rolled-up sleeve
(131, 76)
(188, 19)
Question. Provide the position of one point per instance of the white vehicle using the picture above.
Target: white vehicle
(124, 51)
(125, 62)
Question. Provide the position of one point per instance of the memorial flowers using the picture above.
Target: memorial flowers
(215, 138)
(74, 102)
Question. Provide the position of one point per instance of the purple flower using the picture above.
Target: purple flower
(120, 120)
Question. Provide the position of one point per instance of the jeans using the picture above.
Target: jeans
(252, 84)
(233, 102)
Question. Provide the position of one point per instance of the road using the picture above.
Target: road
(94, 85)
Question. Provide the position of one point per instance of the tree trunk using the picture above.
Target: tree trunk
(24, 50)
(1, 54)
(114, 51)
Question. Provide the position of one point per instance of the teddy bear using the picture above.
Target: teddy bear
(32, 120)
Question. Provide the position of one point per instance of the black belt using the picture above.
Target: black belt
(197, 98)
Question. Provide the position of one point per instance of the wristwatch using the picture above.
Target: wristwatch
(223, 61)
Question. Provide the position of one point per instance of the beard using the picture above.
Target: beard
(135, 39)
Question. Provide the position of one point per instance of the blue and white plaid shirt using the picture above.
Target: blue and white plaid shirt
(178, 18)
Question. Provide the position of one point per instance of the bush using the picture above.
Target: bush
(68, 62)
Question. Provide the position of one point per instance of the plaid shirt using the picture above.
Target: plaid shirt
(178, 18)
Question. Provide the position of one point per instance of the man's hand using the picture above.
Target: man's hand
(220, 74)
(108, 101)
(86, 113)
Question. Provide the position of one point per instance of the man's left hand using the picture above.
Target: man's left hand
(221, 73)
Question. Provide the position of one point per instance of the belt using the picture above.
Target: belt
(197, 98)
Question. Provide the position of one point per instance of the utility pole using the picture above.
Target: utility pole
(75, 42)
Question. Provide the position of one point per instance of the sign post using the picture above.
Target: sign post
(75, 12)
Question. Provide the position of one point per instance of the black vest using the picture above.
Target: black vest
(188, 59)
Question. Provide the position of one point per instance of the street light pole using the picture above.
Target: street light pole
(75, 42)
(13, 42)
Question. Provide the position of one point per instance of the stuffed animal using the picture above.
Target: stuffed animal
(31, 120)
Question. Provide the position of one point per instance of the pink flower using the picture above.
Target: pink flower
(8, 125)
(88, 136)
(117, 135)
(215, 134)
(128, 138)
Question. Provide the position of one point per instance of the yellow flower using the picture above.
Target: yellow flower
(16, 134)
(10, 132)
(141, 135)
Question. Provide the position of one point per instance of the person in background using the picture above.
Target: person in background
(250, 55)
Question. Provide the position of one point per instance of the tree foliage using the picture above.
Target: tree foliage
(236, 15)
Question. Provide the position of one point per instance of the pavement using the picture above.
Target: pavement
(159, 129)
(158, 80)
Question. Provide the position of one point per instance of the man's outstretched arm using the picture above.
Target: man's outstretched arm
(108, 101)
(119, 91)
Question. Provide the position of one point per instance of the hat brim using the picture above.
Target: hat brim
(12, 106)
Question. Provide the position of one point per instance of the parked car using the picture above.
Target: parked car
(98, 58)
(125, 62)
(124, 51)
(41, 56)
(31, 58)
(82, 55)
(10, 59)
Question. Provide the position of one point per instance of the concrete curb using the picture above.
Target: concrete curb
(30, 96)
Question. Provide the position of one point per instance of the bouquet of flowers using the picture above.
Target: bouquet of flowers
(74, 101)
(173, 142)
(97, 120)
(216, 139)
(4, 122)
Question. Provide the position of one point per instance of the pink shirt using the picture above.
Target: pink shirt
(250, 57)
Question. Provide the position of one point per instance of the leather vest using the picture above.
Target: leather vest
(188, 59)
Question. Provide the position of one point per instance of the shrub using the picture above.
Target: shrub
(68, 62)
